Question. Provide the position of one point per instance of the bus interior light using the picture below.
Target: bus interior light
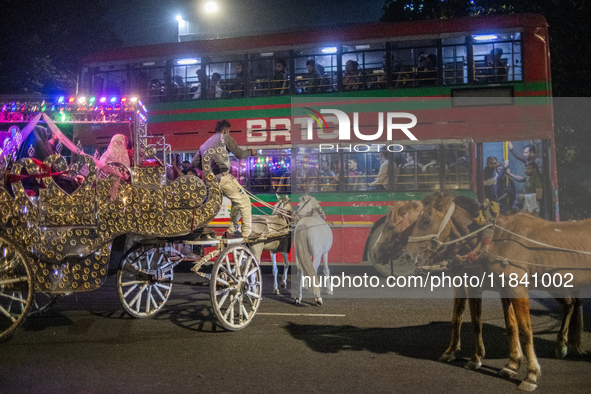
(329, 50)
(187, 61)
(361, 47)
(266, 54)
(485, 37)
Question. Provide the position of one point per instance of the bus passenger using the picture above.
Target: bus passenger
(355, 175)
(215, 88)
(221, 167)
(532, 196)
(352, 77)
(280, 83)
(238, 82)
(202, 85)
(529, 156)
(313, 78)
(382, 181)
(490, 179)
(427, 69)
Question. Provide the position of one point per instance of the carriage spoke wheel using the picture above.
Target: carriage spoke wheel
(144, 279)
(236, 287)
(16, 288)
(42, 302)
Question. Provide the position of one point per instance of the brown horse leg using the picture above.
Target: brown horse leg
(515, 354)
(576, 329)
(521, 308)
(475, 305)
(456, 326)
(568, 306)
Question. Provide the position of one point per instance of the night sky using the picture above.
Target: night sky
(153, 21)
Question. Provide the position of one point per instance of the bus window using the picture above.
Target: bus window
(268, 172)
(362, 66)
(455, 69)
(306, 172)
(316, 70)
(497, 58)
(226, 78)
(457, 173)
(414, 63)
(328, 175)
(358, 168)
(270, 74)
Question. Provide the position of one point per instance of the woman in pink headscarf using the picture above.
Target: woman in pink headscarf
(117, 152)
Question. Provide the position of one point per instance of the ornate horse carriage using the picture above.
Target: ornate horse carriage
(60, 243)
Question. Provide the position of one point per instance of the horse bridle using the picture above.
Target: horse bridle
(435, 237)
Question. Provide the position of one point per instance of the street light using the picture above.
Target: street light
(211, 6)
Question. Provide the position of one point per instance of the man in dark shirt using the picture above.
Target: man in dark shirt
(280, 84)
(222, 143)
(490, 179)
(529, 156)
(505, 189)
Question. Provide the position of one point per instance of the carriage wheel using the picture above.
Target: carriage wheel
(42, 302)
(236, 287)
(16, 288)
(144, 279)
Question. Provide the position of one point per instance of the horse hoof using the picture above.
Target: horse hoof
(297, 301)
(473, 365)
(447, 358)
(527, 385)
(283, 285)
(276, 292)
(329, 292)
(319, 301)
(561, 351)
(507, 373)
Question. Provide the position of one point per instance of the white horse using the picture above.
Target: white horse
(313, 240)
(279, 221)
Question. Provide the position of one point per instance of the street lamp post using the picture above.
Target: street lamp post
(180, 22)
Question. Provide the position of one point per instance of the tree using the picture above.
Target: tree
(45, 40)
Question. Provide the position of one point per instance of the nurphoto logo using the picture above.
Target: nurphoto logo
(344, 128)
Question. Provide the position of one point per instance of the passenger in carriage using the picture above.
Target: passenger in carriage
(117, 152)
(221, 167)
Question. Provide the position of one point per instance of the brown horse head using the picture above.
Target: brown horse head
(444, 218)
(390, 244)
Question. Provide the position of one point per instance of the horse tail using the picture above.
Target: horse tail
(304, 262)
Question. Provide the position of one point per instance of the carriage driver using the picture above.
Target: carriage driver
(222, 143)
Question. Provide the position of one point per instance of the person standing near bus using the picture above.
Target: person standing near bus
(222, 143)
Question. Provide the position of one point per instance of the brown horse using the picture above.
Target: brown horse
(389, 246)
(446, 218)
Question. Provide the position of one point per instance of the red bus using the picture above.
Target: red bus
(437, 69)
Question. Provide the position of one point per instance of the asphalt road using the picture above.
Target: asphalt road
(87, 344)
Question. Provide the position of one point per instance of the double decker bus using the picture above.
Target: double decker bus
(439, 70)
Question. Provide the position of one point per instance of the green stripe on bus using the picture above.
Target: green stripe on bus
(227, 111)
